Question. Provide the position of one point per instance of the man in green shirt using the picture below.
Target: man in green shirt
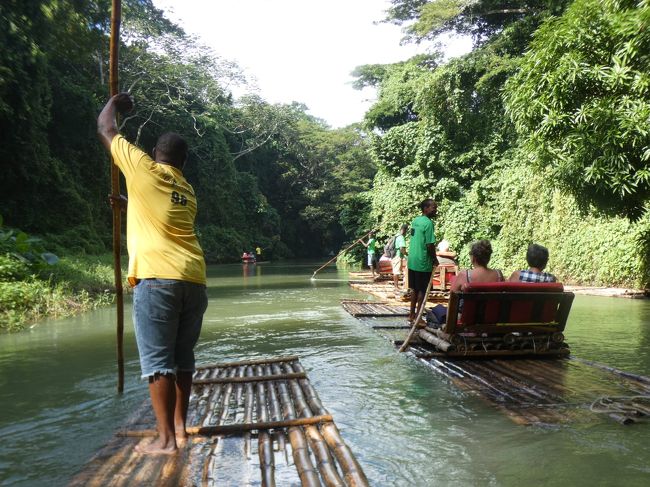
(373, 256)
(400, 255)
(421, 255)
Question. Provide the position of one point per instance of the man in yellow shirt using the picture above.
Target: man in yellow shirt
(166, 269)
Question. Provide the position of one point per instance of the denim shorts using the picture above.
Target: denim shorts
(167, 316)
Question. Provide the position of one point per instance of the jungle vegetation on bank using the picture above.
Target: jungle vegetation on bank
(540, 134)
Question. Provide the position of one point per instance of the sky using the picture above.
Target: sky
(301, 50)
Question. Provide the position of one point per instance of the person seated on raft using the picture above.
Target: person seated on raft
(445, 256)
(480, 253)
(537, 258)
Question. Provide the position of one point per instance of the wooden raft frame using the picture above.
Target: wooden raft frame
(366, 309)
(232, 404)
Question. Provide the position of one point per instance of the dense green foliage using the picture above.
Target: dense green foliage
(36, 283)
(538, 135)
(591, 92)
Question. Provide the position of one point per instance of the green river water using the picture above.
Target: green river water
(407, 425)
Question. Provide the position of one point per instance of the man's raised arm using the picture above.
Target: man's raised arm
(106, 125)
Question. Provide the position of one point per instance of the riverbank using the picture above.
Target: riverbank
(73, 285)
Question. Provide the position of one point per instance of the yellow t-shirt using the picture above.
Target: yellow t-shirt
(160, 218)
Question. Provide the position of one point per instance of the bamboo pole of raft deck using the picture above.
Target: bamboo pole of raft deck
(241, 370)
(356, 242)
(255, 378)
(197, 400)
(443, 345)
(318, 445)
(265, 445)
(310, 393)
(415, 326)
(217, 400)
(204, 409)
(628, 375)
(301, 457)
(248, 410)
(116, 17)
(276, 413)
(487, 391)
(352, 471)
(231, 429)
(262, 361)
(225, 399)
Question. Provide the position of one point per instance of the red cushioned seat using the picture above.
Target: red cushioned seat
(513, 287)
(491, 311)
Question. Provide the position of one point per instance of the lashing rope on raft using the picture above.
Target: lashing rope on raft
(627, 406)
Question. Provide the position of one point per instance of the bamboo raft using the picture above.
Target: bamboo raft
(535, 391)
(358, 308)
(549, 391)
(256, 422)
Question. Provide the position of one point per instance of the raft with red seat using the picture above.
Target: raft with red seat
(248, 258)
(503, 319)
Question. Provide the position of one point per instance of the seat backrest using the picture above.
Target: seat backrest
(512, 303)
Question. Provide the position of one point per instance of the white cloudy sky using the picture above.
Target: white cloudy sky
(300, 50)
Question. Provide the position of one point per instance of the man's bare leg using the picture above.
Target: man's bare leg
(183, 391)
(162, 389)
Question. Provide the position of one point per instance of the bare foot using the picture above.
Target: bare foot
(157, 447)
(181, 437)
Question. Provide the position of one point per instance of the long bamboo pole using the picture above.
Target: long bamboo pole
(415, 325)
(248, 410)
(300, 450)
(256, 378)
(116, 17)
(265, 443)
(262, 361)
(356, 241)
(276, 413)
(319, 448)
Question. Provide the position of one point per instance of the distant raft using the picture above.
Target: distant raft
(255, 422)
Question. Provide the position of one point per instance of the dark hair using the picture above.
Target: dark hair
(404, 227)
(426, 203)
(481, 251)
(537, 256)
(172, 147)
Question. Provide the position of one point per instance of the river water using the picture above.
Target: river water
(407, 425)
